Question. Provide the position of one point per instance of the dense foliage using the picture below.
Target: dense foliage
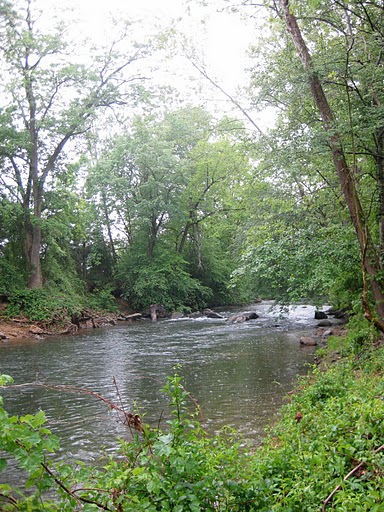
(326, 451)
(321, 67)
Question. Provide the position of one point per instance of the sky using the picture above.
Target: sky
(223, 36)
(221, 40)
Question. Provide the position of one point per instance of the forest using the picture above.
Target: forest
(117, 188)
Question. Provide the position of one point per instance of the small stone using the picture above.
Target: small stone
(34, 329)
(308, 341)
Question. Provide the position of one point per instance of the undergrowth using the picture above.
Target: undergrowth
(326, 452)
(50, 305)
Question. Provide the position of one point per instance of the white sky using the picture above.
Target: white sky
(223, 36)
(221, 40)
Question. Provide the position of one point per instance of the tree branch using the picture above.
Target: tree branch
(354, 470)
(203, 72)
(71, 493)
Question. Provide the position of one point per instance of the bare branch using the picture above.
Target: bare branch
(204, 73)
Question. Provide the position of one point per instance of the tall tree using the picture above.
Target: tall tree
(51, 98)
(160, 184)
(371, 262)
(339, 47)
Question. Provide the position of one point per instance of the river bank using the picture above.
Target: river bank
(322, 324)
(24, 329)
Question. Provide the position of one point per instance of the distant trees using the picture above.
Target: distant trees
(156, 187)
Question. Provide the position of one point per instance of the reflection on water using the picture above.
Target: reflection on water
(238, 374)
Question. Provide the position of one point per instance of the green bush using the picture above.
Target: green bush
(161, 281)
(102, 299)
(29, 442)
(43, 305)
(11, 277)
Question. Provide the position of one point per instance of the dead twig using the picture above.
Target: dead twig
(118, 393)
(354, 470)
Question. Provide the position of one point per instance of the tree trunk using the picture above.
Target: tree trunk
(109, 229)
(35, 239)
(33, 226)
(371, 263)
(380, 187)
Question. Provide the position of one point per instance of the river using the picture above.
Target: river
(238, 373)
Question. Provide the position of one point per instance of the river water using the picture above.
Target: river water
(238, 373)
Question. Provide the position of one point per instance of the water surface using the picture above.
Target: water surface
(238, 373)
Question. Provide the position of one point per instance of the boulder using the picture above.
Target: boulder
(195, 314)
(104, 320)
(308, 341)
(242, 317)
(252, 315)
(237, 319)
(86, 323)
(320, 315)
(3, 336)
(176, 315)
(34, 329)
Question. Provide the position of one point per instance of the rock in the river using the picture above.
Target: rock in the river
(195, 314)
(320, 315)
(242, 317)
(236, 319)
(308, 341)
(211, 314)
(176, 315)
(252, 315)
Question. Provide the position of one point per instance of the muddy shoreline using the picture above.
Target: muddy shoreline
(18, 329)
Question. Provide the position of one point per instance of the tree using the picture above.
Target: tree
(329, 101)
(50, 99)
(371, 262)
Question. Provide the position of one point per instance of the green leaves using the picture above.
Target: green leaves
(5, 379)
